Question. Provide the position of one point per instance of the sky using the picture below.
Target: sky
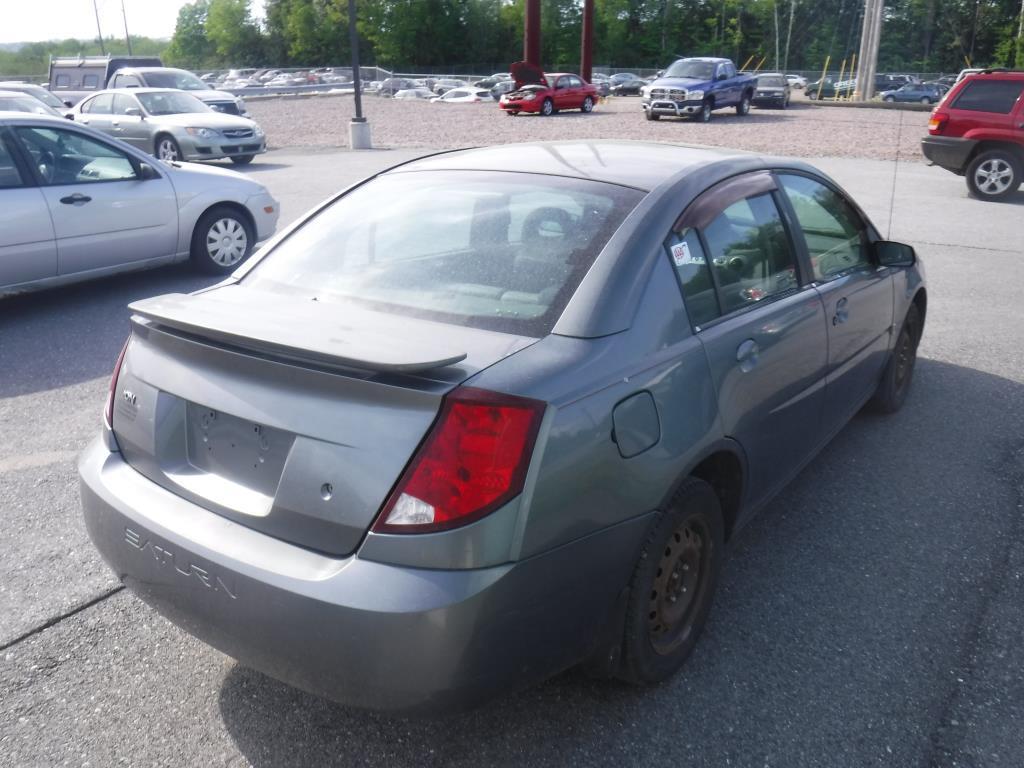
(26, 21)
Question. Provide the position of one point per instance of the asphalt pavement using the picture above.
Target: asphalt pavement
(871, 615)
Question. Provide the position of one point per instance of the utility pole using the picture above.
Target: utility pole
(777, 62)
(99, 32)
(127, 37)
(531, 33)
(870, 37)
(789, 34)
(358, 129)
(587, 41)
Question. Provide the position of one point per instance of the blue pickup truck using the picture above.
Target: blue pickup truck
(696, 87)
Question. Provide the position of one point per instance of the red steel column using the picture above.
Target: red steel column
(587, 41)
(531, 33)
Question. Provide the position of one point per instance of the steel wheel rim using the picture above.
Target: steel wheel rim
(167, 150)
(547, 108)
(993, 177)
(679, 581)
(588, 104)
(226, 242)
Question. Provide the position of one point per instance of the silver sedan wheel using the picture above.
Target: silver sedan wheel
(226, 242)
(994, 176)
(167, 150)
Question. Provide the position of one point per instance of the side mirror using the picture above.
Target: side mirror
(133, 112)
(68, 104)
(890, 254)
(722, 76)
(147, 172)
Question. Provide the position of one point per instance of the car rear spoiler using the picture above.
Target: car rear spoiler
(303, 329)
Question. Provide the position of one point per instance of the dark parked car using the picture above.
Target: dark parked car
(978, 132)
(626, 86)
(922, 93)
(772, 90)
(393, 85)
(412, 461)
(829, 89)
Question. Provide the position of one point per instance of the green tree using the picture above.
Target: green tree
(235, 37)
(190, 46)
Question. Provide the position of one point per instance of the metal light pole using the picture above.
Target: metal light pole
(99, 32)
(127, 37)
(358, 129)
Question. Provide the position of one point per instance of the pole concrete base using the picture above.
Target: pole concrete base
(359, 135)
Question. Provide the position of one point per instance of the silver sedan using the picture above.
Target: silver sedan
(75, 205)
(172, 125)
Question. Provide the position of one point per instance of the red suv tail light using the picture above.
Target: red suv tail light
(108, 412)
(937, 124)
(473, 461)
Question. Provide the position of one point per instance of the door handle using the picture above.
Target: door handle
(842, 313)
(747, 355)
(75, 199)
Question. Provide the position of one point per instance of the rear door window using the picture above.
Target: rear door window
(694, 273)
(99, 105)
(996, 96)
(9, 174)
(750, 253)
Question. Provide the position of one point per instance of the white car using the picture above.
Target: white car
(465, 96)
(75, 205)
(414, 94)
(796, 81)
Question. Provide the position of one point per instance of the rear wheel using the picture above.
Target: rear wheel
(743, 108)
(242, 159)
(588, 105)
(223, 239)
(899, 371)
(993, 175)
(547, 108)
(673, 584)
(167, 149)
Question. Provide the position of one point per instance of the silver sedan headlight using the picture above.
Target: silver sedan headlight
(202, 133)
(256, 130)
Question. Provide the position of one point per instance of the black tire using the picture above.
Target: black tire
(785, 103)
(925, 100)
(673, 585)
(704, 116)
(219, 223)
(588, 105)
(743, 108)
(511, 112)
(899, 371)
(812, 95)
(651, 115)
(242, 159)
(166, 148)
(889, 99)
(547, 108)
(993, 175)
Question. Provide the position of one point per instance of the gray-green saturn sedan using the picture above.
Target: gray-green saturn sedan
(494, 413)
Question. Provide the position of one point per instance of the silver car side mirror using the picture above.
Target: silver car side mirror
(147, 172)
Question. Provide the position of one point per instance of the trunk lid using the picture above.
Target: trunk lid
(290, 416)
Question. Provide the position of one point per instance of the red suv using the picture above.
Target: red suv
(977, 131)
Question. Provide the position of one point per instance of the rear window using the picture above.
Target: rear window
(500, 251)
(997, 96)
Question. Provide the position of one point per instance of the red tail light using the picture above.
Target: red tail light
(108, 412)
(937, 124)
(473, 461)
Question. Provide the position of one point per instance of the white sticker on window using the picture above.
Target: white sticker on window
(681, 254)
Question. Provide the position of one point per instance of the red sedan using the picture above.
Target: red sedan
(549, 93)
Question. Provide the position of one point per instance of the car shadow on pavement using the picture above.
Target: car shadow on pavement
(845, 608)
(68, 335)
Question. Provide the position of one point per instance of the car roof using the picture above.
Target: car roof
(5, 92)
(637, 164)
(26, 117)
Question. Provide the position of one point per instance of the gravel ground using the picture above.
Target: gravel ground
(802, 131)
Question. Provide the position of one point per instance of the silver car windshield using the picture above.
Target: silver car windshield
(171, 103)
(494, 250)
(699, 70)
(183, 81)
(769, 81)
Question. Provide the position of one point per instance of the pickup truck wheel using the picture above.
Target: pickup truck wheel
(704, 115)
(650, 114)
(588, 105)
(547, 108)
(673, 584)
(223, 239)
(993, 175)
(167, 149)
(743, 108)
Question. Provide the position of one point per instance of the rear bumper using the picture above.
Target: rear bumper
(362, 633)
(949, 153)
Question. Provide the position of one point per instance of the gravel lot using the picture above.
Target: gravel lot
(804, 130)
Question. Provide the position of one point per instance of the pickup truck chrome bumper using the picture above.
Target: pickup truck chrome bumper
(678, 109)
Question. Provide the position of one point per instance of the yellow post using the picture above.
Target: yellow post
(821, 83)
(856, 85)
(747, 62)
(842, 71)
(758, 67)
(967, 61)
